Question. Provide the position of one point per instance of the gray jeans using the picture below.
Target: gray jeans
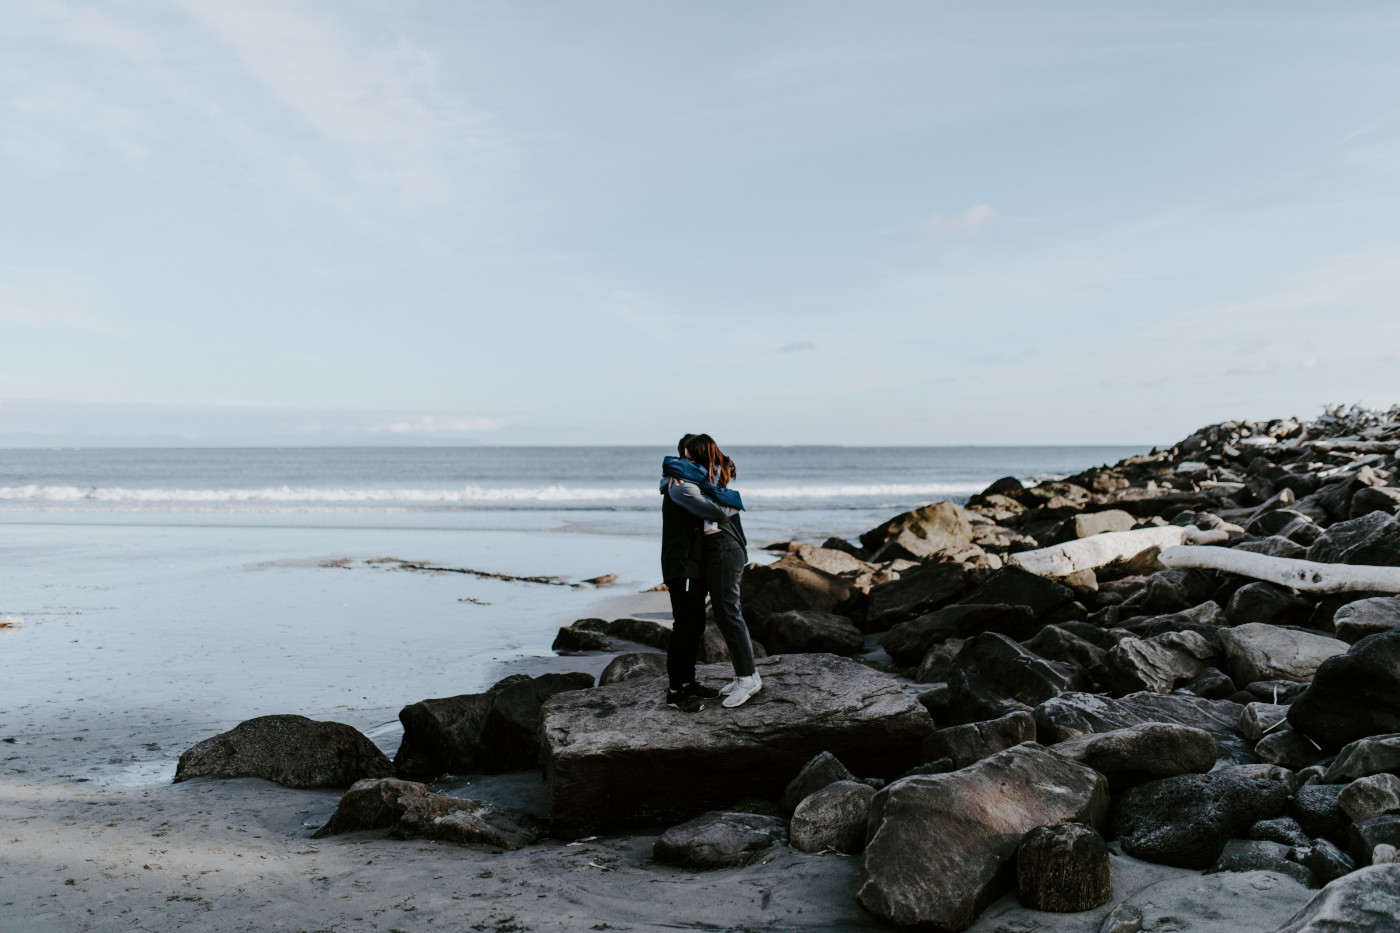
(722, 564)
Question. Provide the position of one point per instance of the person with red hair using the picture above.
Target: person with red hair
(703, 553)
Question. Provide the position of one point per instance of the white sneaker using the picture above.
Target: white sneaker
(729, 687)
(744, 687)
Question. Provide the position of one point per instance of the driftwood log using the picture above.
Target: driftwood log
(1304, 575)
(1063, 868)
(1100, 550)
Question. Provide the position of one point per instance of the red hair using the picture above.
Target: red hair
(703, 450)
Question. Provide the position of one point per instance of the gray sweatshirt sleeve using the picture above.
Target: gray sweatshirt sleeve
(689, 497)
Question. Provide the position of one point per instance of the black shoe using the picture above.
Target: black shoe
(683, 701)
(700, 692)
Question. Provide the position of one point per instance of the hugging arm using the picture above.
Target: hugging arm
(689, 497)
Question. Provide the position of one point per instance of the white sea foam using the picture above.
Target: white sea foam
(99, 497)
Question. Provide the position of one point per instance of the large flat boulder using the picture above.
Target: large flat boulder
(920, 533)
(938, 845)
(1365, 901)
(618, 756)
(808, 630)
(292, 750)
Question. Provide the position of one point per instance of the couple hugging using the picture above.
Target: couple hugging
(703, 553)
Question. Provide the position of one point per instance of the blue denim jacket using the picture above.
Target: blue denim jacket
(679, 468)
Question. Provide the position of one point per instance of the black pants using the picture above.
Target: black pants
(722, 567)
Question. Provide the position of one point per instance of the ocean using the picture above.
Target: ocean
(180, 591)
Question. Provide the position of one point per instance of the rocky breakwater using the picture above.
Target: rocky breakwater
(617, 756)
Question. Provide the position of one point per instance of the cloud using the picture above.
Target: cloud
(1309, 363)
(798, 347)
(974, 221)
(433, 424)
(1259, 368)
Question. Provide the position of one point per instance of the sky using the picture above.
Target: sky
(615, 222)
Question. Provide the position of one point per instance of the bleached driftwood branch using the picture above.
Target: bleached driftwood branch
(1354, 447)
(1097, 551)
(1306, 575)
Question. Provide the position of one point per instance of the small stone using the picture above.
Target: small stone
(1371, 796)
(832, 818)
(822, 770)
(718, 839)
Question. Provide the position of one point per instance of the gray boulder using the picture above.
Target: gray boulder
(1264, 602)
(970, 743)
(1365, 901)
(1063, 868)
(1142, 752)
(1370, 755)
(915, 593)
(604, 635)
(1372, 539)
(1365, 835)
(920, 533)
(1353, 695)
(822, 770)
(808, 630)
(1375, 499)
(832, 818)
(1326, 862)
(1258, 651)
(1094, 523)
(993, 676)
(791, 583)
(1158, 663)
(1260, 855)
(718, 839)
(637, 664)
(1259, 718)
(292, 750)
(1058, 643)
(1012, 586)
(1316, 809)
(1186, 820)
(1371, 796)
(412, 811)
(509, 736)
(1080, 713)
(938, 844)
(1282, 829)
(937, 665)
(618, 756)
(1288, 749)
(1355, 621)
(908, 642)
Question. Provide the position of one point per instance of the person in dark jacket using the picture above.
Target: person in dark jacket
(703, 553)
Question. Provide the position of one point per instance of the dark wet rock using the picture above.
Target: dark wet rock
(1169, 591)
(1012, 586)
(1211, 683)
(974, 741)
(1366, 901)
(1288, 749)
(822, 770)
(920, 533)
(915, 593)
(374, 803)
(941, 766)
(1370, 796)
(938, 844)
(714, 649)
(451, 734)
(1258, 651)
(937, 665)
(908, 642)
(1355, 621)
(791, 583)
(617, 755)
(1264, 602)
(1079, 713)
(1260, 855)
(1326, 862)
(1274, 546)
(1063, 868)
(615, 635)
(1259, 718)
(1371, 539)
(637, 664)
(509, 738)
(1353, 695)
(1059, 643)
(1142, 752)
(1316, 809)
(1283, 829)
(1375, 499)
(1365, 835)
(718, 839)
(292, 750)
(808, 630)
(1371, 755)
(832, 818)
(413, 811)
(1186, 820)
(1158, 663)
(993, 676)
